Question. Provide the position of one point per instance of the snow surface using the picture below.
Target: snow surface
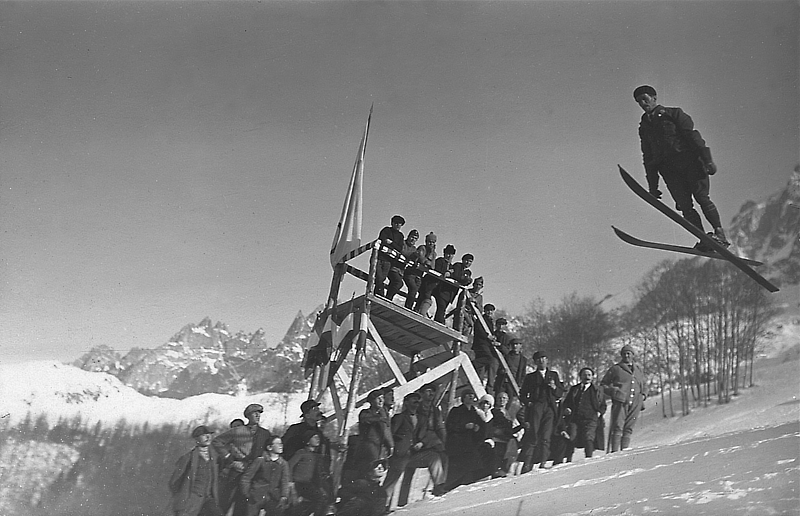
(60, 391)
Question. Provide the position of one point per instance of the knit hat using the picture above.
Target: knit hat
(641, 90)
(626, 348)
(413, 232)
(430, 238)
(449, 249)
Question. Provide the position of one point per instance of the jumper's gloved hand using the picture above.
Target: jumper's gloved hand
(708, 163)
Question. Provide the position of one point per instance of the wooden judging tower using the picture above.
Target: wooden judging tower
(433, 350)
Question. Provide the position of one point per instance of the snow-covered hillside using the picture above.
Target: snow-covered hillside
(61, 391)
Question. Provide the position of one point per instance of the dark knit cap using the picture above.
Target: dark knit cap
(641, 90)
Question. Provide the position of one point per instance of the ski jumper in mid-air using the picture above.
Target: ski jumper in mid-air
(674, 149)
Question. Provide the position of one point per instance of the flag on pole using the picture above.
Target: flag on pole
(348, 231)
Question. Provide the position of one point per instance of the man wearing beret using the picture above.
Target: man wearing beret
(238, 447)
(624, 384)
(674, 149)
(194, 482)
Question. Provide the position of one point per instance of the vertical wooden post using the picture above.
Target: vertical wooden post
(457, 347)
(361, 342)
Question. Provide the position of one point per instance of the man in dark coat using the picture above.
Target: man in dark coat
(624, 384)
(238, 447)
(484, 347)
(584, 405)
(391, 237)
(194, 482)
(673, 148)
(410, 451)
(539, 397)
(466, 432)
(374, 430)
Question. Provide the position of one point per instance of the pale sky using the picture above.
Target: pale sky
(165, 161)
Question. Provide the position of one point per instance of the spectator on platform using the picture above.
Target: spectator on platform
(445, 293)
(391, 237)
(238, 447)
(410, 254)
(194, 481)
(584, 405)
(467, 315)
(265, 483)
(539, 397)
(432, 282)
(311, 478)
(426, 260)
(465, 433)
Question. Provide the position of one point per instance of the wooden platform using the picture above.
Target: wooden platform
(402, 330)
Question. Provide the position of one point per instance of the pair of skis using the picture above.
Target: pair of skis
(719, 252)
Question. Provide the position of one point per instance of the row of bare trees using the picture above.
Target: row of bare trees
(696, 324)
(699, 326)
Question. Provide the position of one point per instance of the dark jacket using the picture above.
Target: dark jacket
(404, 433)
(431, 431)
(665, 134)
(585, 404)
(183, 477)
(293, 439)
(462, 444)
(266, 479)
(397, 241)
(536, 390)
(374, 427)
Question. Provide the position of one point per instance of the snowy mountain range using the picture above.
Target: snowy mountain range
(206, 357)
(769, 231)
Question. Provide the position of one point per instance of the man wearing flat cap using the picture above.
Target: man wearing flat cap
(538, 398)
(194, 482)
(624, 384)
(673, 149)
(238, 447)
